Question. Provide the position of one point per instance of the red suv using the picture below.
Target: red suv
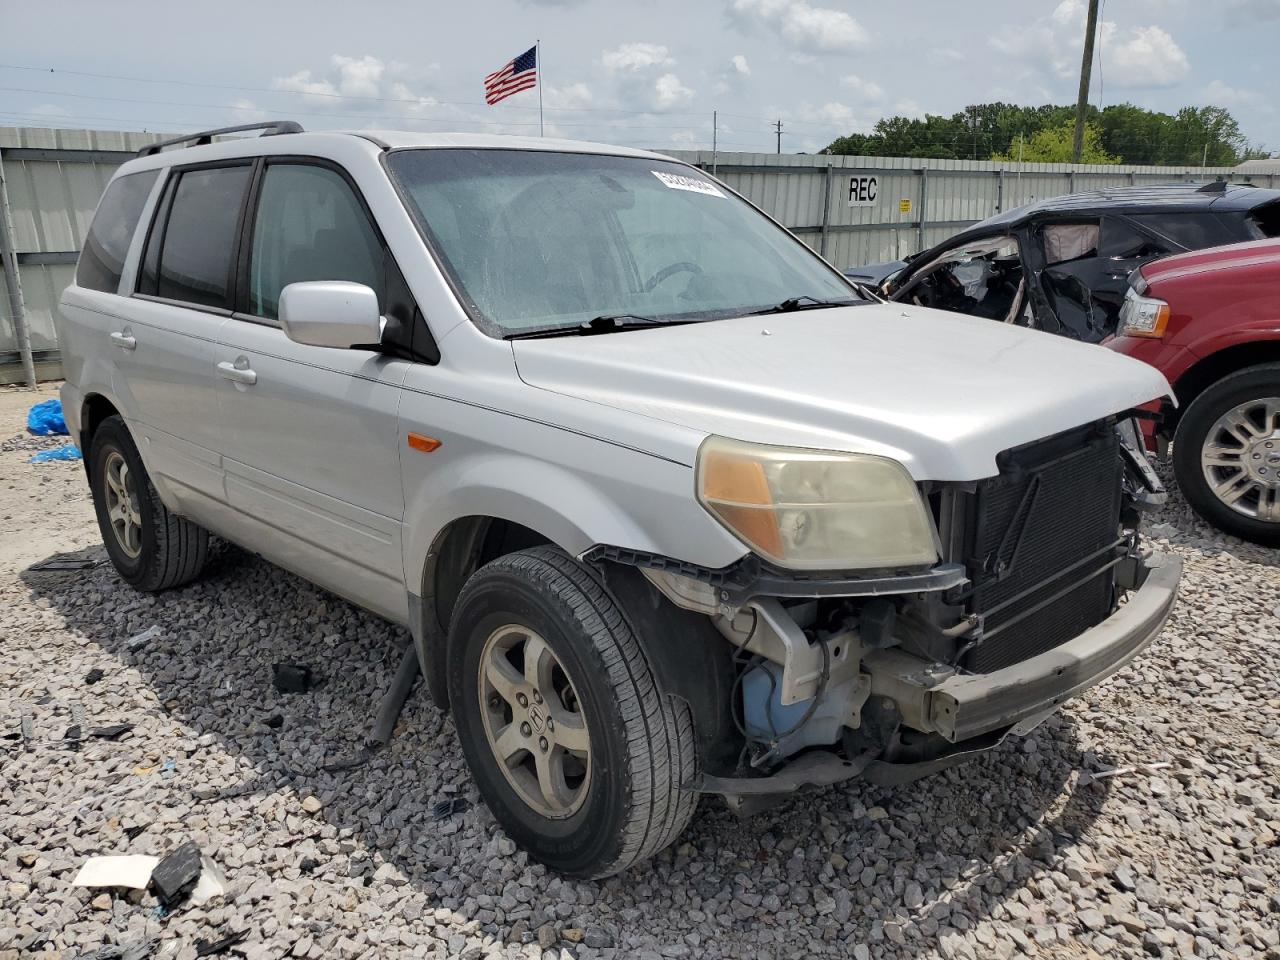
(1210, 322)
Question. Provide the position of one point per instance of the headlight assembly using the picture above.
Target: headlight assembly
(816, 509)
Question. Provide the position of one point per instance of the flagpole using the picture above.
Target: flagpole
(537, 44)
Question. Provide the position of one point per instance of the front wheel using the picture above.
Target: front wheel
(1226, 454)
(572, 745)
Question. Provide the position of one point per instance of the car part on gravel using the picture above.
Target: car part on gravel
(292, 678)
(175, 875)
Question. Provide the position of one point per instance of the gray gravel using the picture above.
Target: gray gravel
(1014, 854)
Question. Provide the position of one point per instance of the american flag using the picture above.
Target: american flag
(515, 75)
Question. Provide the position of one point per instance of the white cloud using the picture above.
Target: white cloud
(636, 56)
(668, 91)
(733, 75)
(805, 27)
(866, 89)
(1146, 57)
(346, 77)
(246, 111)
(1219, 94)
(572, 97)
(1133, 57)
(739, 64)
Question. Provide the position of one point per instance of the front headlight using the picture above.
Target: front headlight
(816, 509)
(1143, 316)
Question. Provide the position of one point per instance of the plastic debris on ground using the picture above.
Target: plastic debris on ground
(448, 808)
(94, 675)
(206, 948)
(1143, 768)
(68, 452)
(113, 732)
(140, 640)
(175, 875)
(62, 564)
(293, 678)
(45, 419)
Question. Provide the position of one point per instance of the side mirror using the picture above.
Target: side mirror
(330, 313)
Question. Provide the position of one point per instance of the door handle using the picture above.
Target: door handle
(124, 341)
(238, 372)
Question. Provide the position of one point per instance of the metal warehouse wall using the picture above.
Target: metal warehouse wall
(809, 194)
(53, 179)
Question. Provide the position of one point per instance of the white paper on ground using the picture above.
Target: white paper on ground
(211, 883)
(131, 871)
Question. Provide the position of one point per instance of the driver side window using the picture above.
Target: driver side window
(310, 226)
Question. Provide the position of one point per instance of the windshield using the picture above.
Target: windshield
(540, 240)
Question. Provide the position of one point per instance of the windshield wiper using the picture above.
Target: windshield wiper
(806, 302)
(605, 323)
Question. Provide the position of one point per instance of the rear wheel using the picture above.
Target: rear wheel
(572, 745)
(150, 547)
(1226, 454)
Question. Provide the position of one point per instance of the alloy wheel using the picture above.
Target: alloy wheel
(1241, 459)
(122, 504)
(533, 722)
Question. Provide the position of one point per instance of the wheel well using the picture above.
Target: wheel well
(462, 548)
(96, 408)
(1208, 371)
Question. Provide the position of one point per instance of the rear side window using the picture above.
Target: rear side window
(1121, 241)
(1266, 220)
(310, 226)
(195, 243)
(1195, 231)
(102, 260)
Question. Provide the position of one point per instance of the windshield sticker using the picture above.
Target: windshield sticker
(692, 184)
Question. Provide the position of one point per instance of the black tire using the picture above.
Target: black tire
(1193, 431)
(172, 549)
(642, 743)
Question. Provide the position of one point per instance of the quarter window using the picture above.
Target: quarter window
(198, 239)
(310, 226)
(107, 244)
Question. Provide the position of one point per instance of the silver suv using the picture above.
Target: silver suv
(668, 505)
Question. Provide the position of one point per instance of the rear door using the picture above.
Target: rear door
(182, 297)
(311, 453)
(1086, 272)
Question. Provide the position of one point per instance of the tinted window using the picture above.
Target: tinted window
(105, 248)
(1122, 241)
(1195, 231)
(309, 226)
(199, 237)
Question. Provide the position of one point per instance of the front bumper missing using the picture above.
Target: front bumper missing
(964, 706)
(976, 712)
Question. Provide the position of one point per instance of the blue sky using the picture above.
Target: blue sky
(639, 73)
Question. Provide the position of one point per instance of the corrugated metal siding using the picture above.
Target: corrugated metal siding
(51, 203)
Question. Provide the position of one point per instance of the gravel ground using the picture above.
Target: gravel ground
(1018, 853)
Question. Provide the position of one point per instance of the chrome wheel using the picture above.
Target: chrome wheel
(533, 722)
(1241, 459)
(122, 504)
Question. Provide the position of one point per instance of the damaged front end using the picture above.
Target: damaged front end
(1041, 591)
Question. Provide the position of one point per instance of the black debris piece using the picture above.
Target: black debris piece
(174, 876)
(59, 564)
(73, 733)
(206, 948)
(45, 700)
(448, 808)
(113, 732)
(134, 832)
(293, 678)
(275, 721)
(308, 865)
(94, 675)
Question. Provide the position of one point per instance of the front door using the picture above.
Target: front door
(311, 453)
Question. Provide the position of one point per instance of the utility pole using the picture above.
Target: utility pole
(778, 126)
(714, 130)
(1086, 65)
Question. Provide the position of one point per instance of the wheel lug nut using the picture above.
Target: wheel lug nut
(522, 699)
(551, 724)
(526, 729)
(537, 697)
(542, 744)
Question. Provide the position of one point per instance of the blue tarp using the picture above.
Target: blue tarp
(66, 452)
(45, 419)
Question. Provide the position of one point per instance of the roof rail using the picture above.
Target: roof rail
(270, 129)
(1214, 186)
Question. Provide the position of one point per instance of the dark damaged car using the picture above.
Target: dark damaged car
(1063, 264)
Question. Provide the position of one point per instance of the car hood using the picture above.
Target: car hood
(940, 392)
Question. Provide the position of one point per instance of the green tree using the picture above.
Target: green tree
(1053, 145)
